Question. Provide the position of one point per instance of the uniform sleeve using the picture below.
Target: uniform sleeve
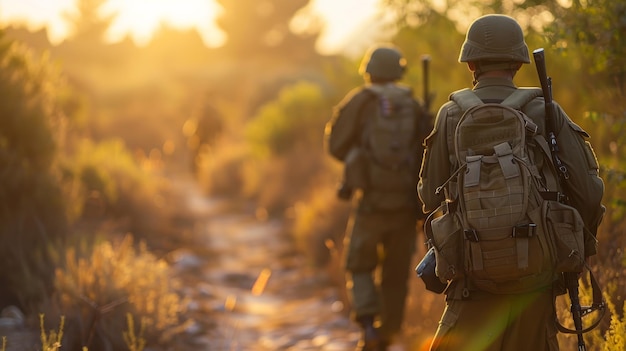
(584, 187)
(342, 131)
(435, 168)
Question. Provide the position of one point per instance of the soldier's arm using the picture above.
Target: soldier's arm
(343, 130)
(435, 163)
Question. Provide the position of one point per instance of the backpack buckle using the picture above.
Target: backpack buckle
(471, 235)
(554, 196)
(524, 230)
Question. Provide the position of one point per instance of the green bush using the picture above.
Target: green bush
(110, 184)
(32, 214)
(285, 141)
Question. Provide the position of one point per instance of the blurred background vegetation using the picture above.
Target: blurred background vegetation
(92, 134)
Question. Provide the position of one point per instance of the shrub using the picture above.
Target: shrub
(285, 141)
(32, 215)
(97, 290)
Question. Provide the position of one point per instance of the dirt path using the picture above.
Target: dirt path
(250, 290)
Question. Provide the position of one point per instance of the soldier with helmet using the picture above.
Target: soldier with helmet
(375, 132)
(494, 51)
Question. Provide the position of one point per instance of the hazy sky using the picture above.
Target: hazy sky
(140, 17)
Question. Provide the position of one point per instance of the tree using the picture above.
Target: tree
(262, 30)
(86, 39)
(88, 24)
(598, 29)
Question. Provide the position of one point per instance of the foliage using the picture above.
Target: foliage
(263, 30)
(295, 117)
(108, 183)
(88, 24)
(133, 341)
(598, 28)
(109, 169)
(616, 334)
(279, 135)
(446, 73)
(317, 220)
(32, 218)
(52, 340)
(99, 289)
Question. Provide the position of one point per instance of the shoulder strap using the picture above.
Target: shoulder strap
(466, 99)
(521, 97)
(370, 94)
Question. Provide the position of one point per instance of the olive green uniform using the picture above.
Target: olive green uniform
(381, 232)
(520, 321)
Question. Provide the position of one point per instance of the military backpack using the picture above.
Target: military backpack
(503, 228)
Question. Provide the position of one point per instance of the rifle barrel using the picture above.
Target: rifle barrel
(426, 90)
(546, 85)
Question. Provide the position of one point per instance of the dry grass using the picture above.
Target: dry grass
(101, 290)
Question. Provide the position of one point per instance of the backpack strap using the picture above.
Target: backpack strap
(522, 96)
(466, 99)
(370, 95)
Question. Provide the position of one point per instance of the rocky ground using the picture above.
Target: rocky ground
(250, 290)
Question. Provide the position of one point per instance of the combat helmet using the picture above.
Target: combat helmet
(383, 62)
(495, 39)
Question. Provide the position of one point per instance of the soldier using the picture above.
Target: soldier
(494, 51)
(375, 132)
(202, 131)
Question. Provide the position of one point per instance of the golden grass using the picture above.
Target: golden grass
(117, 284)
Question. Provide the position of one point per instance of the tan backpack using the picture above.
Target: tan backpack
(503, 230)
(390, 139)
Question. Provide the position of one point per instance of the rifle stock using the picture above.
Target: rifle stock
(571, 282)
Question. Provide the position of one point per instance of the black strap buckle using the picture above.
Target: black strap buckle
(524, 230)
(471, 235)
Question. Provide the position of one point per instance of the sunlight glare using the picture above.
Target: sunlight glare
(35, 14)
(339, 26)
(346, 23)
(143, 17)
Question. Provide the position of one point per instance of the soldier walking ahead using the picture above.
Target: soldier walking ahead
(375, 132)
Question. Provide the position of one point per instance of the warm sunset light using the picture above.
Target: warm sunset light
(140, 18)
(143, 17)
(222, 175)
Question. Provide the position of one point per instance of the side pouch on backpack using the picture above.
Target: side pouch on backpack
(447, 237)
(565, 227)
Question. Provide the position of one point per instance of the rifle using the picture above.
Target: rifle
(426, 124)
(570, 278)
(546, 87)
(426, 91)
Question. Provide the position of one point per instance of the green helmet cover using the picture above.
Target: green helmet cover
(385, 62)
(494, 38)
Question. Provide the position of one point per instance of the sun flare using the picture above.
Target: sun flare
(142, 18)
(139, 19)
